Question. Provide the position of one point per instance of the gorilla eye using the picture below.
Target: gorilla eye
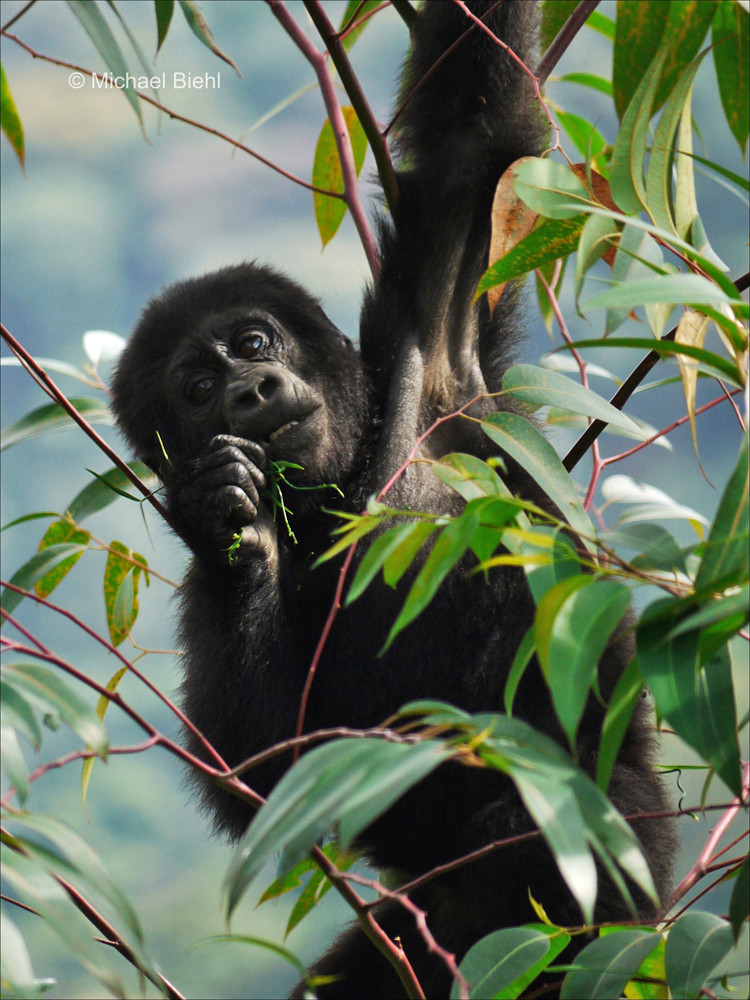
(251, 343)
(201, 389)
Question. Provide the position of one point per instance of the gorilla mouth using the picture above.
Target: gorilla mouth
(282, 430)
(275, 435)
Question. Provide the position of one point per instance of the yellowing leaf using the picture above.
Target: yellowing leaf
(58, 533)
(690, 330)
(121, 579)
(327, 173)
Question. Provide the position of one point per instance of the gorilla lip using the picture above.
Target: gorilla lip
(285, 428)
(282, 430)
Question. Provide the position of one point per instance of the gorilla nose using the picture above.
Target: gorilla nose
(253, 392)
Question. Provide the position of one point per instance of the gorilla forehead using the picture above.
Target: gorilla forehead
(182, 307)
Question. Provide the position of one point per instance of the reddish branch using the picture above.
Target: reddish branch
(319, 63)
(356, 95)
(46, 383)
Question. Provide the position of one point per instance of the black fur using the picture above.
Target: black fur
(249, 628)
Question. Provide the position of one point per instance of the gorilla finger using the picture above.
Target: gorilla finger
(235, 506)
(233, 474)
(251, 449)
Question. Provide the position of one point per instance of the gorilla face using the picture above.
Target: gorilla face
(238, 375)
(227, 372)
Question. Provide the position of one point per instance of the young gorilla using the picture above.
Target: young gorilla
(242, 366)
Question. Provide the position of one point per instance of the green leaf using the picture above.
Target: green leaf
(521, 660)
(199, 27)
(40, 564)
(639, 32)
(535, 454)
(572, 814)
(690, 289)
(638, 256)
(449, 547)
(346, 781)
(327, 173)
(729, 34)
(403, 542)
(93, 22)
(599, 235)
(696, 698)
(726, 554)
(505, 962)
(54, 418)
(543, 387)
(45, 688)
(554, 15)
(713, 362)
(565, 561)
(586, 137)
(552, 189)
(361, 10)
(625, 697)
(604, 967)
(696, 944)
(18, 713)
(657, 547)
(738, 906)
(572, 627)
(552, 239)
(400, 559)
(10, 120)
(15, 964)
(689, 21)
(32, 882)
(106, 488)
(659, 173)
(626, 167)
(14, 762)
(731, 611)
(736, 179)
(59, 533)
(469, 476)
(317, 886)
(602, 24)
(73, 855)
(356, 527)
(102, 706)
(600, 83)
(163, 10)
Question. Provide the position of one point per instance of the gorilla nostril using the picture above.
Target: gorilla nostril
(267, 388)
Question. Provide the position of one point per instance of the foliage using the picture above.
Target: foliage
(630, 207)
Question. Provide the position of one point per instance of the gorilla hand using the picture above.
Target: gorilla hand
(221, 495)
